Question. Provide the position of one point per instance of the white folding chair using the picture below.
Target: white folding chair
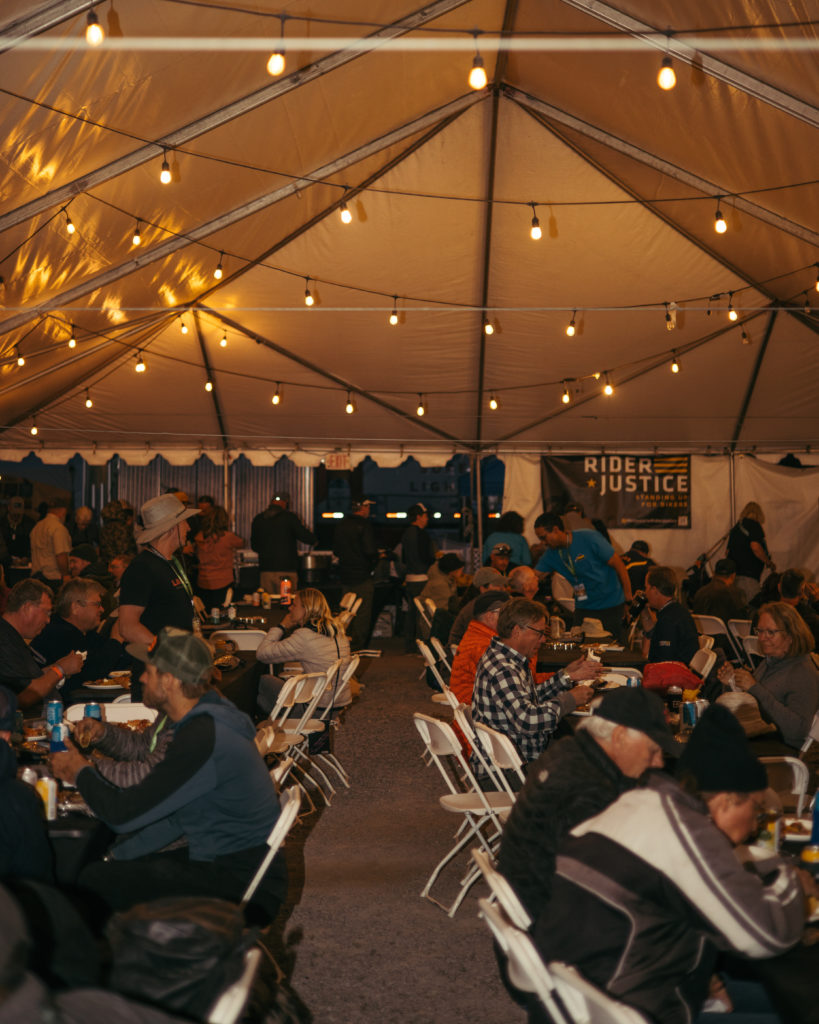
(706, 642)
(788, 777)
(424, 620)
(739, 629)
(355, 606)
(503, 755)
(294, 732)
(587, 1004)
(702, 662)
(502, 891)
(230, 1005)
(289, 800)
(563, 592)
(750, 646)
(712, 625)
(440, 652)
(477, 809)
(348, 600)
(245, 639)
(280, 772)
(526, 968)
(812, 737)
(338, 676)
(124, 698)
(445, 696)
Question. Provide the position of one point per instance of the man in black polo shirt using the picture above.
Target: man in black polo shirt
(28, 609)
(155, 589)
(73, 627)
(670, 631)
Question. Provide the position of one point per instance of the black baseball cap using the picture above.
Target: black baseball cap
(488, 601)
(639, 709)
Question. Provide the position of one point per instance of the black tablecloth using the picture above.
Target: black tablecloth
(76, 839)
(549, 660)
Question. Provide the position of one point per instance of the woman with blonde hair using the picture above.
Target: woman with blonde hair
(308, 633)
(785, 684)
(748, 549)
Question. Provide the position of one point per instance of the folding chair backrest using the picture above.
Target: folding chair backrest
(502, 891)
(563, 591)
(245, 639)
(440, 652)
(230, 1005)
(750, 645)
(788, 776)
(703, 661)
(424, 620)
(712, 625)
(432, 664)
(526, 969)
(441, 741)
(739, 627)
(813, 734)
(285, 701)
(501, 752)
(280, 771)
(355, 606)
(348, 600)
(587, 1004)
(338, 676)
(706, 642)
(289, 801)
(312, 687)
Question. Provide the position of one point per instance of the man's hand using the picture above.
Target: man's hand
(88, 732)
(582, 693)
(71, 663)
(66, 765)
(583, 668)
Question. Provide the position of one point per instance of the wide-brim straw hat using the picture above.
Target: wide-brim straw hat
(593, 629)
(160, 514)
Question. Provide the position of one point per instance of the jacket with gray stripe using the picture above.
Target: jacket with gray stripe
(646, 893)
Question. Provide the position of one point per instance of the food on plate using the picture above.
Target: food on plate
(795, 827)
(136, 724)
(34, 729)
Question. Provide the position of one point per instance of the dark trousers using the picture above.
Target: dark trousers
(411, 591)
(360, 628)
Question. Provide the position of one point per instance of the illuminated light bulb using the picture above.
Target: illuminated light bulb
(208, 385)
(20, 358)
(596, 376)
(493, 403)
(94, 33)
(732, 313)
(275, 66)
(565, 398)
(137, 238)
(69, 224)
(421, 407)
(666, 79)
(165, 173)
(394, 318)
(675, 365)
(488, 328)
(817, 277)
(607, 388)
(140, 366)
(34, 431)
(535, 231)
(276, 399)
(719, 222)
(72, 341)
(344, 213)
(223, 341)
(218, 272)
(572, 327)
(477, 76)
(308, 295)
(183, 327)
(349, 408)
(88, 402)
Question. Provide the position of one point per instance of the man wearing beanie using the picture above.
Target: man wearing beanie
(577, 778)
(646, 893)
(441, 587)
(485, 579)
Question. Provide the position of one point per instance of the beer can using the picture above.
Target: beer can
(47, 788)
(53, 713)
(702, 706)
(674, 697)
(689, 714)
(810, 859)
(216, 615)
(29, 776)
(58, 736)
(231, 613)
(93, 710)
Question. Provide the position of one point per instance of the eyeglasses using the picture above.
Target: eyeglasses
(93, 604)
(542, 632)
(768, 632)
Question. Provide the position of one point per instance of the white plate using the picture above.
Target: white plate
(37, 736)
(103, 686)
(790, 837)
(613, 679)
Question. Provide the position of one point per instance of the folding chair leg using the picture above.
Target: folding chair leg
(312, 766)
(332, 762)
(305, 776)
(474, 831)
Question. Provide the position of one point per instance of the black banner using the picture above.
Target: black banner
(625, 491)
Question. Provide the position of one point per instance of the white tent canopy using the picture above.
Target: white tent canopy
(624, 178)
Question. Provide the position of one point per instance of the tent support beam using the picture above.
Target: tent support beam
(749, 391)
(173, 245)
(696, 58)
(213, 120)
(214, 393)
(653, 365)
(314, 368)
(46, 17)
(708, 188)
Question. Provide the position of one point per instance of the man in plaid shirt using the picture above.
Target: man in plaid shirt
(506, 696)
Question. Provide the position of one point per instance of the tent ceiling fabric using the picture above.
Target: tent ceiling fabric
(626, 180)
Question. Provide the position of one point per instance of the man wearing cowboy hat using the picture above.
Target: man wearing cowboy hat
(155, 589)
